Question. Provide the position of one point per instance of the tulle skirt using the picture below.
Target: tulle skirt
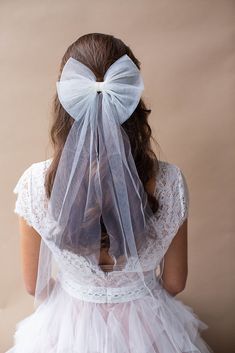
(66, 324)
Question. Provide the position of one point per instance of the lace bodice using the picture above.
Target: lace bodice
(78, 275)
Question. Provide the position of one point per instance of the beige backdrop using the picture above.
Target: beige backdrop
(187, 54)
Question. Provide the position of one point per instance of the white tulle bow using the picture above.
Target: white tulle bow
(122, 87)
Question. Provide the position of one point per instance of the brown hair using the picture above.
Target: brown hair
(98, 51)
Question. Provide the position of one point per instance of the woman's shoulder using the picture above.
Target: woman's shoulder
(167, 165)
(40, 168)
(35, 171)
(31, 194)
(167, 170)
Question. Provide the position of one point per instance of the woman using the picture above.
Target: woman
(108, 213)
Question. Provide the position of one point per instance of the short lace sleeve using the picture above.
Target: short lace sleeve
(31, 202)
(173, 197)
(23, 200)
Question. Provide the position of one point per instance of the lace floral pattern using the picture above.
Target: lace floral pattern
(172, 194)
(31, 199)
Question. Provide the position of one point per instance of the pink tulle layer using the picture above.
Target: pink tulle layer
(65, 324)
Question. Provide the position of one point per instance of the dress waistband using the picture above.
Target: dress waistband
(97, 294)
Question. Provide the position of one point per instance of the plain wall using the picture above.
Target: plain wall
(187, 53)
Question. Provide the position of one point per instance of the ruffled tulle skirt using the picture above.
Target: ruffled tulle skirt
(66, 324)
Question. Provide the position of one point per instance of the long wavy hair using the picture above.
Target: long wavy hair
(98, 51)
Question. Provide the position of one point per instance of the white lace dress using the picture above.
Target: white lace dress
(89, 311)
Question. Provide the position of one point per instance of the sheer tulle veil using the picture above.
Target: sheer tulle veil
(96, 176)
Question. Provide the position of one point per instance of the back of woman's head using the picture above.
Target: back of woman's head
(98, 51)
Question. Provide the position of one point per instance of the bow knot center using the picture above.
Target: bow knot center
(99, 86)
